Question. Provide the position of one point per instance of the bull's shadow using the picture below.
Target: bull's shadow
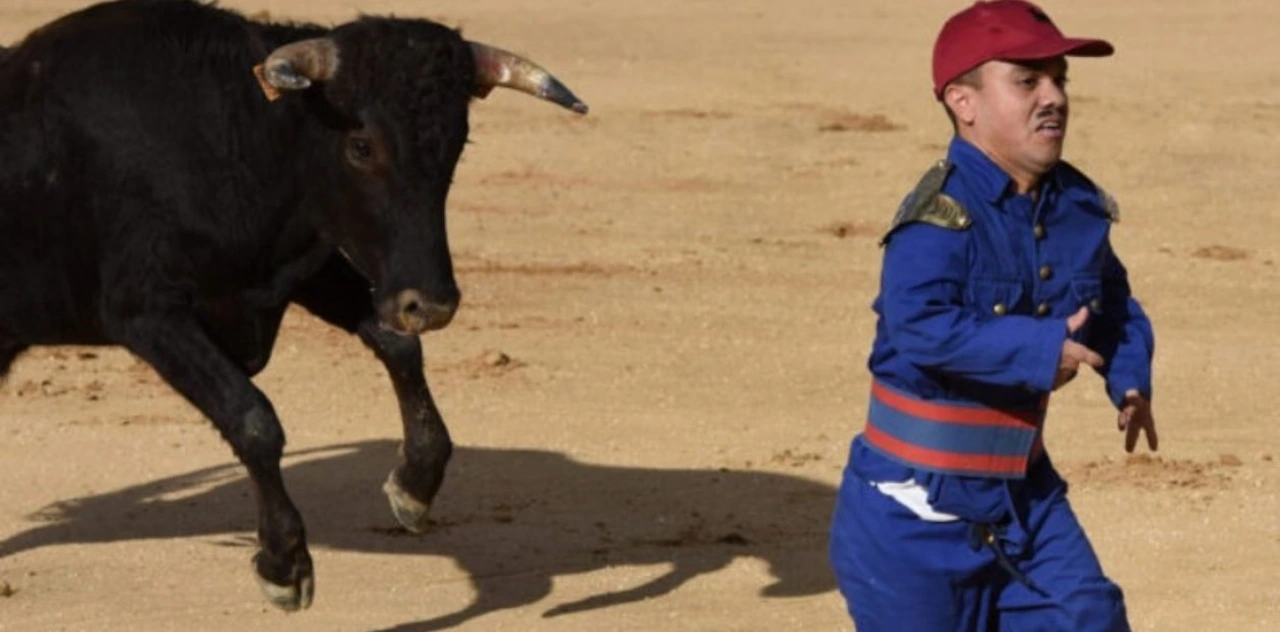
(513, 519)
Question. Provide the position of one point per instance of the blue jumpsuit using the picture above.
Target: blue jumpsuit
(950, 516)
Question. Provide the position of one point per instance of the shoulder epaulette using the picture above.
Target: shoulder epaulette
(1110, 204)
(927, 203)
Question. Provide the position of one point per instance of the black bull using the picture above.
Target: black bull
(173, 176)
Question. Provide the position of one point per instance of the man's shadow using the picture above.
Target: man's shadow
(513, 519)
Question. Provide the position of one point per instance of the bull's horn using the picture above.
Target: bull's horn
(497, 67)
(294, 66)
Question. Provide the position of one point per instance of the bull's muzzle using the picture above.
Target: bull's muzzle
(411, 313)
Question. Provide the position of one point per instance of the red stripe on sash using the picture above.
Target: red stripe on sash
(955, 414)
(978, 464)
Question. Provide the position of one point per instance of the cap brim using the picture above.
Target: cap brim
(1073, 47)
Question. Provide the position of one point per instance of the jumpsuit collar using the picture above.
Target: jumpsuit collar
(986, 178)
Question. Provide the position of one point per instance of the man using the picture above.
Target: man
(998, 284)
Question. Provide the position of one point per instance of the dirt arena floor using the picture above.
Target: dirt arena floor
(660, 358)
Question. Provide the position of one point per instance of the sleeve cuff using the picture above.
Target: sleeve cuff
(1044, 368)
(1117, 386)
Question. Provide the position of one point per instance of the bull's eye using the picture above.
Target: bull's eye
(359, 151)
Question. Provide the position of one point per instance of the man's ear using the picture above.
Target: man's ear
(961, 99)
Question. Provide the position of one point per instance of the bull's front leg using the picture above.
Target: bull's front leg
(188, 360)
(340, 296)
(427, 446)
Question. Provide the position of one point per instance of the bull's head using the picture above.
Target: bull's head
(392, 97)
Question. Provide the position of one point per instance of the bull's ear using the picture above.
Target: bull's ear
(497, 67)
(295, 66)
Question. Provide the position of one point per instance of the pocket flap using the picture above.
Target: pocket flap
(996, 297)
(1088, 292)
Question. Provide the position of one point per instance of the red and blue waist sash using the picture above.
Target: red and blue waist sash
(954, 437)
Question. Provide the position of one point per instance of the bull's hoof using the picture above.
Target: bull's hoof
(290, 598)
(409, 511)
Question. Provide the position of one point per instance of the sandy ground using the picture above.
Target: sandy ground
(682, 281)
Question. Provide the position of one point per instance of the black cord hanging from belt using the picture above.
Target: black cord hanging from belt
(987, 535)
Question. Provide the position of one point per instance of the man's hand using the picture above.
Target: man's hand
(1073, 353)
(1135, 418)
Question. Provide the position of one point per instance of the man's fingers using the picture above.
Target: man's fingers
(1092, 358)
(1131, 435)
(1081, 354)
(1134, 420)
(1077, 320)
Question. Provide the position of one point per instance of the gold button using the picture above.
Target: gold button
(1095, 305)
(1043, 309)
(1045, 273)
(1038, 231)
(1000, 309)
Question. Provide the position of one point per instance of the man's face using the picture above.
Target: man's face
(1018, 114)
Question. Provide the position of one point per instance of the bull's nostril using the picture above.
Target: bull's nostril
(413, 311)
(411, 303)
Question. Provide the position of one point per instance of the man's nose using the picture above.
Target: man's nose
(1052, 94)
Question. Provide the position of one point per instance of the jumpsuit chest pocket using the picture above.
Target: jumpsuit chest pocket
(993, 298)
(1087, 292)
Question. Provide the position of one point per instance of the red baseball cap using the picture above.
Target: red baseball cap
(1009, 30)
